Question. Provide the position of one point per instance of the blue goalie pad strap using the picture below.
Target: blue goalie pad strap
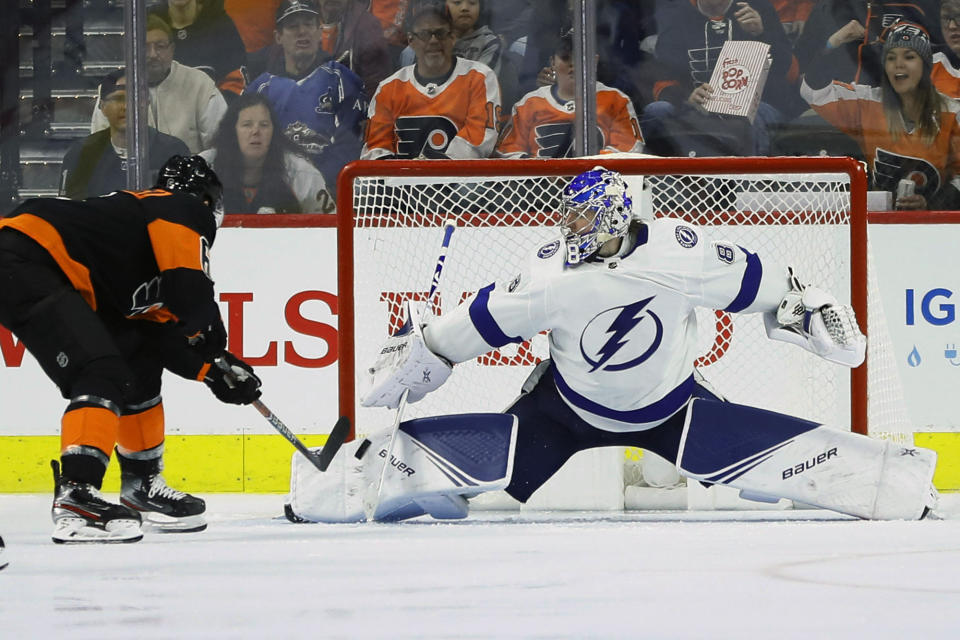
(749, 285)
(475, 445)
(723, 440)
(486, 326)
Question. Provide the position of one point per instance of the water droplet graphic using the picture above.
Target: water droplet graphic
(914, 358)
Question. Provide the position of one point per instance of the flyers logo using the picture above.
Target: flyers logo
(889, 168)
(426, 136)
(555, 140)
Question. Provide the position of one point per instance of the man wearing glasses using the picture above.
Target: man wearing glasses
(184, 102)
(945, 73)
(440, 106)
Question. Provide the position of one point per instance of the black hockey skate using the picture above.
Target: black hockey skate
(164, 510)
(3, 557)
(80, 514)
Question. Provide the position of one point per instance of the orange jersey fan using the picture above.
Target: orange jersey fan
(542, 125)
(456, 118)
(857, 110)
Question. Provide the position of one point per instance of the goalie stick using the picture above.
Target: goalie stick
(372, 499)
(334, 441)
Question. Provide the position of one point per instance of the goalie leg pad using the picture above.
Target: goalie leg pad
(768, 454)
(436, 464)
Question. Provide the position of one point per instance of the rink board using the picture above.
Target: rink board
(286, 325)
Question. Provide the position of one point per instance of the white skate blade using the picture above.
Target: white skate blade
(76, 531)
(154, 522)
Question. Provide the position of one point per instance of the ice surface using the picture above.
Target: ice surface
(252, 574)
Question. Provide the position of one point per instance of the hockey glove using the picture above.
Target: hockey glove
(404, 362)
(210, 342)
(233, 381)
(813, 319)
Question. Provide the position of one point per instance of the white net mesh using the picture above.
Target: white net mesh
(797, 219)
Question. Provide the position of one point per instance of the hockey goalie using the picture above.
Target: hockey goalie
(618, 296)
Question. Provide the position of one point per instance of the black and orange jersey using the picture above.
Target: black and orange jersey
(456, 117)
(542, 125)
(143, 255)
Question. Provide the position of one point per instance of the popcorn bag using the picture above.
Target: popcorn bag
(739, 77)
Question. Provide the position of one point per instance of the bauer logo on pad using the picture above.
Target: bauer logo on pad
(739, 78)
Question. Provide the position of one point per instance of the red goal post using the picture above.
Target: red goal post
(390, 212)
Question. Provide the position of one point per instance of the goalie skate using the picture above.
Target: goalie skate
(80, 514)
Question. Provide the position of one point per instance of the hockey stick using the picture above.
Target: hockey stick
(372, 499)
(334, 441)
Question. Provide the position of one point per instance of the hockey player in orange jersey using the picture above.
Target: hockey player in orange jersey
(541, 125)
(107, 293)
(439, 107)
(906, 128)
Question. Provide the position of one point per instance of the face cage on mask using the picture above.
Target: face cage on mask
(607, 224)
(580, 244)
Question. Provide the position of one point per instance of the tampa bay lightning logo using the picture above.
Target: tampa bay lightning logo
(686, 236)
(548, 250)
(612, 339)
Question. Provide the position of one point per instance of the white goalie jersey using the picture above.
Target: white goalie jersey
(623, 329)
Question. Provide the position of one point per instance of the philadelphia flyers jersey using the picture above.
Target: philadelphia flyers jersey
(144, 255)
(857, 110)
(944, 76)
(542, 125)
(454, 118)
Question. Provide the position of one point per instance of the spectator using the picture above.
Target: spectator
(184, 102)
(474, 39)
(845, 35)
(392, 15)
(622, 28)
(97, 164)
(297, 51)
(323, 114)
(207, 39)
(906, 128)
(354, 38)
(793, 15)
(542, 122)
(691, 37)
(254, 21)
(946, 58)
(262, 171)
(438, 107)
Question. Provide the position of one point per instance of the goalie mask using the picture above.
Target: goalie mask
(595, 208)
(191, 174)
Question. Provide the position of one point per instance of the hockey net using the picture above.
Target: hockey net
(805, 212)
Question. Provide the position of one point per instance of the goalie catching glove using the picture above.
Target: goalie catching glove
(404, 362)
(813, 319)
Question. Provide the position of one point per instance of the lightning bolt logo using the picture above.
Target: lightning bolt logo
(629, 317)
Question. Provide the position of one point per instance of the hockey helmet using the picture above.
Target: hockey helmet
(595, 208)
(192, 174)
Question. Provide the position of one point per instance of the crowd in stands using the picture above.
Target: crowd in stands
(281, 94)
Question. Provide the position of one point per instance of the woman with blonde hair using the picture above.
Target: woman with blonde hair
(909, 132)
